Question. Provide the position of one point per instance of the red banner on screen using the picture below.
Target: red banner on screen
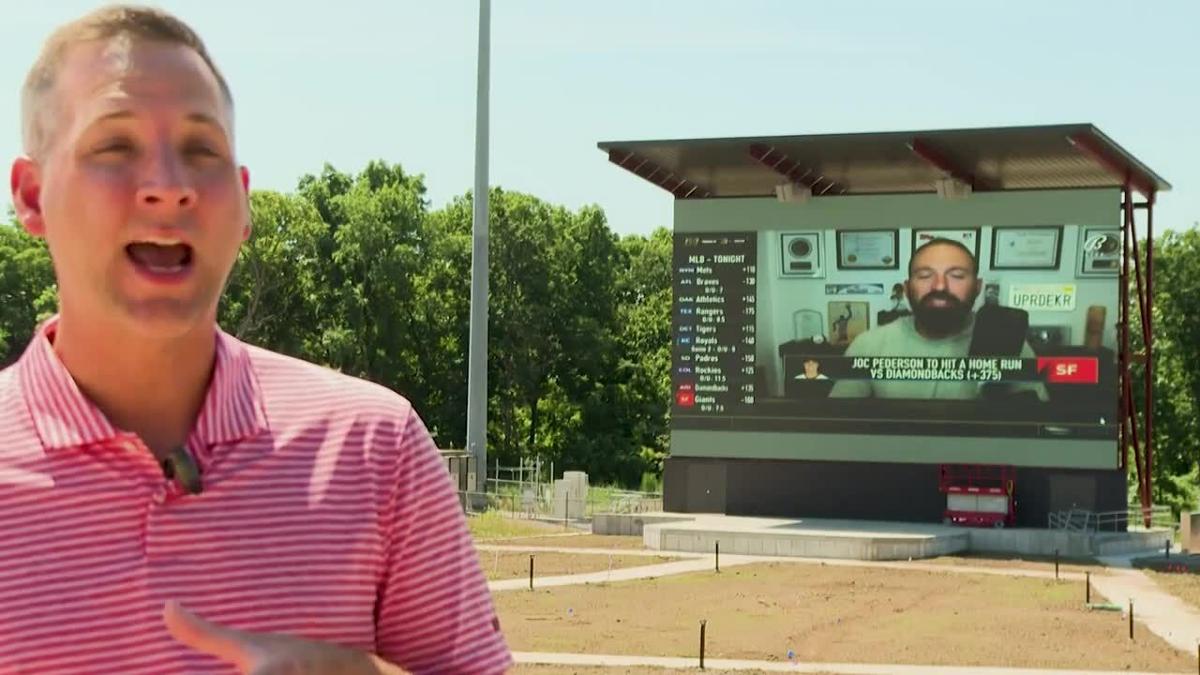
(685, 397)
(1070, 369)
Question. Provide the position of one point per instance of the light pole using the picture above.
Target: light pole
(477, 358)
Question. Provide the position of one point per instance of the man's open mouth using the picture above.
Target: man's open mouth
(160, 257)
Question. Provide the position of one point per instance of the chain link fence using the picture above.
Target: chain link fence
(525, 496)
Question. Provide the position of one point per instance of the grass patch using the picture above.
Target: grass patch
(494, 525)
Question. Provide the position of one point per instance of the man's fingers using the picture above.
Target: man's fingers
(229, 645)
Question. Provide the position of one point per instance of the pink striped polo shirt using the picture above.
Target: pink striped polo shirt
(326, 514)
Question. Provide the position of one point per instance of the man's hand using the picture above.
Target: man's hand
(268, 653)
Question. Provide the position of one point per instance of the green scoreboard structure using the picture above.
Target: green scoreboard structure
(827, 364)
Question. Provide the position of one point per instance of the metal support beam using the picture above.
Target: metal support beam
(1088, 145)
(679, 186)
(1123, 348)
(1137, 422)
(935, 158)
(1148, 300)
(780, 163)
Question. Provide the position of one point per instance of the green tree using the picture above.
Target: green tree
(644, 319)
(526, 283)
(558, 374)
(1176, 324)
(27, 289)
(390, 295)
(274, 291)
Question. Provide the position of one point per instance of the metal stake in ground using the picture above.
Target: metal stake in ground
(1056, 564)
(718, 556)
(531, 573)
(703, 623)
(1131, 618)
(1087, 581)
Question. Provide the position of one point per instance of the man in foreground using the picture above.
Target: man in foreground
(151, 460)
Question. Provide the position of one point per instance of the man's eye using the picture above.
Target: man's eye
(200, 150)
(115, 147)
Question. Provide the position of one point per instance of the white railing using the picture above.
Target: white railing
(1133, 519)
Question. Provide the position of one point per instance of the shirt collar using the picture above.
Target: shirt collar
(64, 417)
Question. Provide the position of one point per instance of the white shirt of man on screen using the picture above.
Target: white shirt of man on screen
(942, 286)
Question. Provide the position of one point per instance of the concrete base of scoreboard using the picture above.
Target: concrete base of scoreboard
(861, 540)
(805, 538)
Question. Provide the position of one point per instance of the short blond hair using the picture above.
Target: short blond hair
(104, 24)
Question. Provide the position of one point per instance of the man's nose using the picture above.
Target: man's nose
(940, 282)
(165, 183)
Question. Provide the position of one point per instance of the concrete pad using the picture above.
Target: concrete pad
(815, 538)
(866, 540)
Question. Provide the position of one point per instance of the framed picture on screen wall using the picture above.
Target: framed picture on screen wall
(1026, 248)
(868, 249)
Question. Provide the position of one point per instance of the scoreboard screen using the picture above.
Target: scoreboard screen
(975, 332)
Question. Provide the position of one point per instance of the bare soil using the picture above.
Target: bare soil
(619, 670)
(575, 541)
(1182, 585)
(837, 614)
(515, 565)
(1031, 563)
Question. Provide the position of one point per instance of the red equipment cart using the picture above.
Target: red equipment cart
(978, 495)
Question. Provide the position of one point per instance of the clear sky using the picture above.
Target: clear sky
(355, 80)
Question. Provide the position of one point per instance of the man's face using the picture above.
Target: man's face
(812, 369)
(136, 190)
(942, 288)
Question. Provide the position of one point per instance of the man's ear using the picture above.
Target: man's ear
(26, 182)
(244, 173)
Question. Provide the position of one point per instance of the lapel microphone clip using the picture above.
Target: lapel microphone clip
(179, 466)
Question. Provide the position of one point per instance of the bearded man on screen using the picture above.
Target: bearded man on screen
(942, 287)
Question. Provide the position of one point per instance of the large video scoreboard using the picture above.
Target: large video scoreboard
(899, 328)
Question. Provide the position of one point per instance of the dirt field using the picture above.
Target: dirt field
(1186, 587)
(575, 670)
(1044, 564)
(506, 565)
(836, 614)
(576, 541)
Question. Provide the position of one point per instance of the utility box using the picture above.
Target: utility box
(1189, 532)
(570, 495)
